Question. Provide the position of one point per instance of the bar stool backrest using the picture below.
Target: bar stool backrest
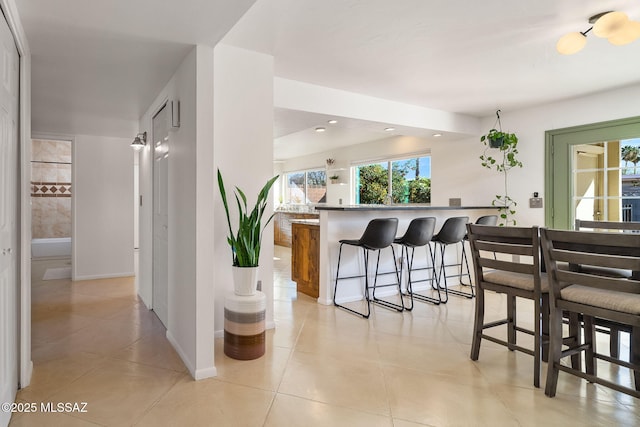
(487, 220)
(419, 232)
(453, 230)
(380, 233)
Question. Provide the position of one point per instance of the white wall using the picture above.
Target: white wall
(456, 166)
(456, 170)
(190, 326)
(243, 151)
(103, 207)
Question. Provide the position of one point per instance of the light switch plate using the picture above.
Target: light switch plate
(535, 202)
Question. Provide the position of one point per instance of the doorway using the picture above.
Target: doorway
(587, 175)
(51, 206)
(160, 150)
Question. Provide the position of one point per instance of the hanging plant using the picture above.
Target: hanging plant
(502, 162)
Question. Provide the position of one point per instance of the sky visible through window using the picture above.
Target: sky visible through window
(424, 164)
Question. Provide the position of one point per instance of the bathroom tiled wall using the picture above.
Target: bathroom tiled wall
(50, 189)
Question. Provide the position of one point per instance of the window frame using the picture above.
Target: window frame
(285, 184)
(389, 161)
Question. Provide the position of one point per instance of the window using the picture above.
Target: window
(306, 187)
(404, 180)
(606, 184)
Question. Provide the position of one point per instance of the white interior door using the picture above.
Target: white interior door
(160, 141)
(8, 219)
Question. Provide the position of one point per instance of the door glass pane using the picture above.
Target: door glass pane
(606, 180)
(630, 179)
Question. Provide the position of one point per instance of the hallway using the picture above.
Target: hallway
(95, 342)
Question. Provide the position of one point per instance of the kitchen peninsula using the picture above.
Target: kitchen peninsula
(282, 224)
(349, 221)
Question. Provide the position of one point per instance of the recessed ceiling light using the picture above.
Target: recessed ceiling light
(437, 135)
(320, 129)
(389, 129)
(332, 122)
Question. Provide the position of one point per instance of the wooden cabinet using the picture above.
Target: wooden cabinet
(282, 226)
(305, 258)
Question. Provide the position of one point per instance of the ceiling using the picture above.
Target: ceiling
(98, 65)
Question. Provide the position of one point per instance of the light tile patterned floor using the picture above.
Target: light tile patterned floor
(94, 341)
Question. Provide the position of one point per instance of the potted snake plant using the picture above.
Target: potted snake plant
(246, 240)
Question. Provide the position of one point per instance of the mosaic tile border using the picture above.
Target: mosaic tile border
(50, 189)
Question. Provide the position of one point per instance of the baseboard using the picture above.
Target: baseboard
(25, 378)
(104, 276)
(270, 325)
(197, 374)
(181, 353)
(201, 374)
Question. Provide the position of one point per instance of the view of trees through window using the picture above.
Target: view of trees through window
(406, 181)
(306, 187)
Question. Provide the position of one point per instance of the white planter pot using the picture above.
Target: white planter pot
(245, 280)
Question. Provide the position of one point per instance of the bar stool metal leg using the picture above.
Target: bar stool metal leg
(442, 274)
(387, 304)
(410, 281)
(366, 285)
(419, 233)
(453, 231)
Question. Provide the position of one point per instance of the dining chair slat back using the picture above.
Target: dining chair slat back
(584, 290)
(507, 260)
(614, 330)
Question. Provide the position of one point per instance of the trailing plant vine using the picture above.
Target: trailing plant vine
(502, 162)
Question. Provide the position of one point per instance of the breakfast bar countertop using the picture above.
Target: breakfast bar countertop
(305, 221)
(396, 207)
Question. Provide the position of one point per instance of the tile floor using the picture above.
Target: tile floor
(95, 342)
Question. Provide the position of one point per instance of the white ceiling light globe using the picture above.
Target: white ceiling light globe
(571, 43)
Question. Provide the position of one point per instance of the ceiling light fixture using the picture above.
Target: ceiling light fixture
(332, 121)
(616, 27)
(389, 129)
(320, 129)
(139, 141)
(437, 135)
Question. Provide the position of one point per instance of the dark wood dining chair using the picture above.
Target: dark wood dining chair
(506, 260)
(590, 294)
(610, 328)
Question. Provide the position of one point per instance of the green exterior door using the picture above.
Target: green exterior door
(559, 146)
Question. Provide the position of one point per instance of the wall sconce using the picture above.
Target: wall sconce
(139, 141)
(613, 26)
